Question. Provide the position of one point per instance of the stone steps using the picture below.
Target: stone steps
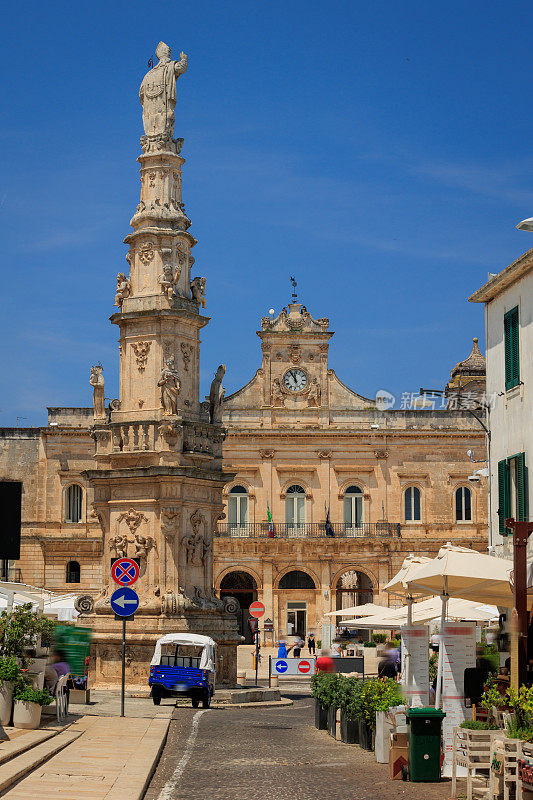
(31, 753)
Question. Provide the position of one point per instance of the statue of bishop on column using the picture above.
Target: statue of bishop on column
(158, 92)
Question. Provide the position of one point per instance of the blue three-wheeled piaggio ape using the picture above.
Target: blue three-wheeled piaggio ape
(183, 665)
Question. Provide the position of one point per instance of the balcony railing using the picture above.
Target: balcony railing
(307, 530)
(11, 574)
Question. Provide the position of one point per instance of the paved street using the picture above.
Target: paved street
(239, 754)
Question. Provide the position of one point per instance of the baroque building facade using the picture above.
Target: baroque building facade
(329, 491)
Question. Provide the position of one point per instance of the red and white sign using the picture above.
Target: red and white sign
(257, 609)
(125, 571)
(304, 666)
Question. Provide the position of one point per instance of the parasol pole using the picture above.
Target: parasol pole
(438, 694)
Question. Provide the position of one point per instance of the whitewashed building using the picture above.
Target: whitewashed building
(508, 298)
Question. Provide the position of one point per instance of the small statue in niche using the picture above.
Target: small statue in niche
(170, 387)
(313, 398)
(123, 289)
(198, 291)
(169, 280)
(277, 399)
(97, 382)
(216, 395)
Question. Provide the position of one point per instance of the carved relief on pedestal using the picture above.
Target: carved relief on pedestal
(169, 433)
(267, 453)
(169, 522)
(141, 350)
(84, 604)
(186, 352)
(196, 545)
(133, 519)
(381, 454)
(119, 545)
(146, 252)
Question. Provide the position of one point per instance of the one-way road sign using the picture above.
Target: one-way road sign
(124, 602)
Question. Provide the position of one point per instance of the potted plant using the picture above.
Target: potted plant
(28, 705)
(351, 709)
(379, 640)
(323, 689)
(9, 674)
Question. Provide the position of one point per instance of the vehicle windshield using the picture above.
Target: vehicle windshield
(181, 655)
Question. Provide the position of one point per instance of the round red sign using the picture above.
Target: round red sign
(257, 609)
(124, 571)
(304, 666)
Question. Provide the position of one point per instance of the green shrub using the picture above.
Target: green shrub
(19, 630)
(478, 725)
(514, 731)
(369, 644)
(319, 644)
(396, 643)
(27, 694)
(348, 691)
(325, 687)
(9, 669)
(433, 666)
(379, 638)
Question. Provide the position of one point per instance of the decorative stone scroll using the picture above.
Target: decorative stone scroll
(84, 604)
(141, 350)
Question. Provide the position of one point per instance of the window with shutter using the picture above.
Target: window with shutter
(511, 348)
(503, 495)
(522, 510)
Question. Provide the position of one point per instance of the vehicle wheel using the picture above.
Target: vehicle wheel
(195, 702)
(156, 697)
(206, 700)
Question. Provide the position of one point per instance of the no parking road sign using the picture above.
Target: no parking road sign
(124, 602)
(125, 571)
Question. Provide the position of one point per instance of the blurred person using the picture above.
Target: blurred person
(311, 644)
(324, 662)
(388, 666)
(283, 650)
(54, 671)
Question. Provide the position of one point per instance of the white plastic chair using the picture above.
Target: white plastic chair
(61, 694)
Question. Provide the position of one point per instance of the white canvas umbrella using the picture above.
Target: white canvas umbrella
(467, 574)
(428, 610)
(398, 585)
(365, 610)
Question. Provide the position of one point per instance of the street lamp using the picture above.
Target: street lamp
(526, 225)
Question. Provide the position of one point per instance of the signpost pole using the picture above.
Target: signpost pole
(521, 531)
(269, 671)
(256, 652)
(123, 667)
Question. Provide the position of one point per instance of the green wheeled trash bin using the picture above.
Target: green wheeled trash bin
(425, 726)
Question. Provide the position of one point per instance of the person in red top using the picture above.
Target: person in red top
(324, 662)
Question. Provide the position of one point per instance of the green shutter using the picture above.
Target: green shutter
(512, 348)
(503, 495)
(522, 510)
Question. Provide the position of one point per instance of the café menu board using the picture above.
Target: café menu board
(458, 644)
(415, 664)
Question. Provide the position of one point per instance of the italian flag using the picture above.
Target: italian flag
(270, 524)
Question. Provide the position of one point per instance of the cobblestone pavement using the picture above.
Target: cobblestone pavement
(276, 754)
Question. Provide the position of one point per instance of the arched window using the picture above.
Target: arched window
(73, 503)
(295, 506)
(354, 588)
(463, 504)
(412, 504)
(73, 572)
(353, 507)
(296, 579)
(238, 506)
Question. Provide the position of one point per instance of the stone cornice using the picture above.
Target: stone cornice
(504, 279)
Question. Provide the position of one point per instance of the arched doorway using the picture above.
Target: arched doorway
(243, 587)
(300, 588)
(354, 588)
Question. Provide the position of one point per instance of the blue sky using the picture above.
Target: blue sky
(377, 151)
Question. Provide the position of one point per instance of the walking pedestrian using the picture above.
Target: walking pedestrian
(324, 662)
(311, 644)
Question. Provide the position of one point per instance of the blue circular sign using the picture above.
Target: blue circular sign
(124, 602)
(281, 666)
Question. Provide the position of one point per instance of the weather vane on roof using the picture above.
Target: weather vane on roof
(294, 285)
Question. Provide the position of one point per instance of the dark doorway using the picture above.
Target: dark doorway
(243, 587)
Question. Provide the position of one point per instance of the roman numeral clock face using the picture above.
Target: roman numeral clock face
(295, 380)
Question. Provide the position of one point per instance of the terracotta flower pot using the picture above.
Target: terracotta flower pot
(6, 702)
(26, 715)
